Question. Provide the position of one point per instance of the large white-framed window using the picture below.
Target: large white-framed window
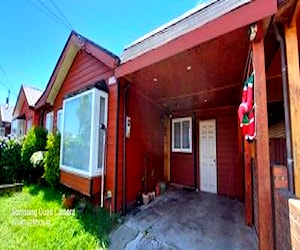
(18, 127)
(182, 135)
(59, 120)
(83, 134)
(49, 121)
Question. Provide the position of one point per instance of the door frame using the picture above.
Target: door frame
(199, 151)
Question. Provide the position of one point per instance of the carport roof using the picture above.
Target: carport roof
(195, 18)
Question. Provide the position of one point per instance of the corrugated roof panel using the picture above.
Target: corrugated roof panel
(180, 26)
(32, 95)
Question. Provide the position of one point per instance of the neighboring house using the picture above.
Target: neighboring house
(6, 112)
(77, 102)
(24, 115)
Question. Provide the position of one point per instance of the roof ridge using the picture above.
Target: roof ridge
(31, 87)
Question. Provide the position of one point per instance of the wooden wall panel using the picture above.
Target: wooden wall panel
(28, 112)
(230, 179)
(146, 137)
(229, 165)
(182, 168)
(84, 71)
(75, 182)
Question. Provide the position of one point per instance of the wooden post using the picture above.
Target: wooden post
(248, 185)
(265, 221)
(294, 94)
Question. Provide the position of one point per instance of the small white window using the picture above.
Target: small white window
(59, 121)
(182, 135)
(29, 124)
(49, 121)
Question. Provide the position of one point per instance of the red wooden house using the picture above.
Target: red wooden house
(77, 102)
(24, 115)
(168, 110)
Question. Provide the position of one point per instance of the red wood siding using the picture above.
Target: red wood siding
(84, 71)
(81, 184)
(229, 165)
(146, 137)
(182, 168)
(111, 146)
(277, 151)
(230, 179)
(29, 113)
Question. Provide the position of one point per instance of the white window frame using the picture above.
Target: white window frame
(49, 114)
(181, 149)
(93, 169)
(59, 112)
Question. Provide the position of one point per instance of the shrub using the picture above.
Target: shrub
(51, 160)
(35, 140)
(10, 161)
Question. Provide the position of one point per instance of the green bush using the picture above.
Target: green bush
(10, 161)
(35, 140)
(51, 160)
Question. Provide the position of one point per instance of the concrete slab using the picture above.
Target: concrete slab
(183, 219)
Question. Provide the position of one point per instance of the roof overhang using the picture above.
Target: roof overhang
(74, 44)
(244, 13)
(20, 101)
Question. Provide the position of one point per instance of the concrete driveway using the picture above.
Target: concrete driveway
(182, 219)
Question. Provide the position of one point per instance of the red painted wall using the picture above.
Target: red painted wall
(182, 168)
(146, 137)
(229, 165)
(85, 71)
(29, 113)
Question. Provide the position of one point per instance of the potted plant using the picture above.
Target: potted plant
(68, 201)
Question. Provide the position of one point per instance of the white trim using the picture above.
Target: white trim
(181, 149)
(59, 112)
(48, 115)
(93, 169)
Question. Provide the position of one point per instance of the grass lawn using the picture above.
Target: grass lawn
(34, 219)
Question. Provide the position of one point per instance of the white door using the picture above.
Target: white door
(208, 163)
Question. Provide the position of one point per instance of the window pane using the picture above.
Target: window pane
(177, 135)
(77, 132)
(29, 124)
(101, 133)
(186, 134)
(49, 121)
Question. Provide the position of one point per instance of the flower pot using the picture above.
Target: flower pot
(146, 199)
(152, 195)
(68, 201)
(163, 187)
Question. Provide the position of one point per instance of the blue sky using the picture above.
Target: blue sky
(31, 41)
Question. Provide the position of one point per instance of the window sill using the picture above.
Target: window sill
(80, 173)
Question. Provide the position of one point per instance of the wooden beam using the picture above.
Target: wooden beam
(248, 185)
(295, 14)
(265, 225)
(294, 93)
